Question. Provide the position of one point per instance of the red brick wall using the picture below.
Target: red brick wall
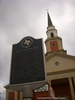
(62, 89)
(11, 96)
(36, 95)
(54, 47)
(18, 95)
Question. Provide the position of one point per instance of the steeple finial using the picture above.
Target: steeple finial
(49, 20)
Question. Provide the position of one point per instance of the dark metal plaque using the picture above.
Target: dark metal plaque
(27, 61)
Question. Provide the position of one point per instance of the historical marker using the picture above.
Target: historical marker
(27, 61)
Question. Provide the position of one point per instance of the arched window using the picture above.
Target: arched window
(52, 35)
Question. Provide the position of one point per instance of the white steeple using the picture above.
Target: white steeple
(53, 41)
(51, 31)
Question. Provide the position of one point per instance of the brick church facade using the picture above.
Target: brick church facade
(60, 70)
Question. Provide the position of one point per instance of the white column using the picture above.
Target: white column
(52, 94)
(49, 82)
(71, 88)
(74, 80)
(15, 95)
(20, 95)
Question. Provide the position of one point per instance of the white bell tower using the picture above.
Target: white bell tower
(53, 42)
(51, 31)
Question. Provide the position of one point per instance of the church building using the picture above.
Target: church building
(60, 67)
(60, 70)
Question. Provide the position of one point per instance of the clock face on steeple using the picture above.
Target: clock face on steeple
(53, 45)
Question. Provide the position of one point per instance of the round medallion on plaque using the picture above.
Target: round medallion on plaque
(26, 42)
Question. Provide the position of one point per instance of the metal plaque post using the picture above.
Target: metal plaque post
(27, 92)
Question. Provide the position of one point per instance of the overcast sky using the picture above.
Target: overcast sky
(21, 18)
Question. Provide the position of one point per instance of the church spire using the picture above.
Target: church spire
(49, 20)
(53, 42)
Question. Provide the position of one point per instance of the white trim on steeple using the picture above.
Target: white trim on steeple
(51, 29)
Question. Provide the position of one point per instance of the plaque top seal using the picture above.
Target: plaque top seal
(26, 42)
